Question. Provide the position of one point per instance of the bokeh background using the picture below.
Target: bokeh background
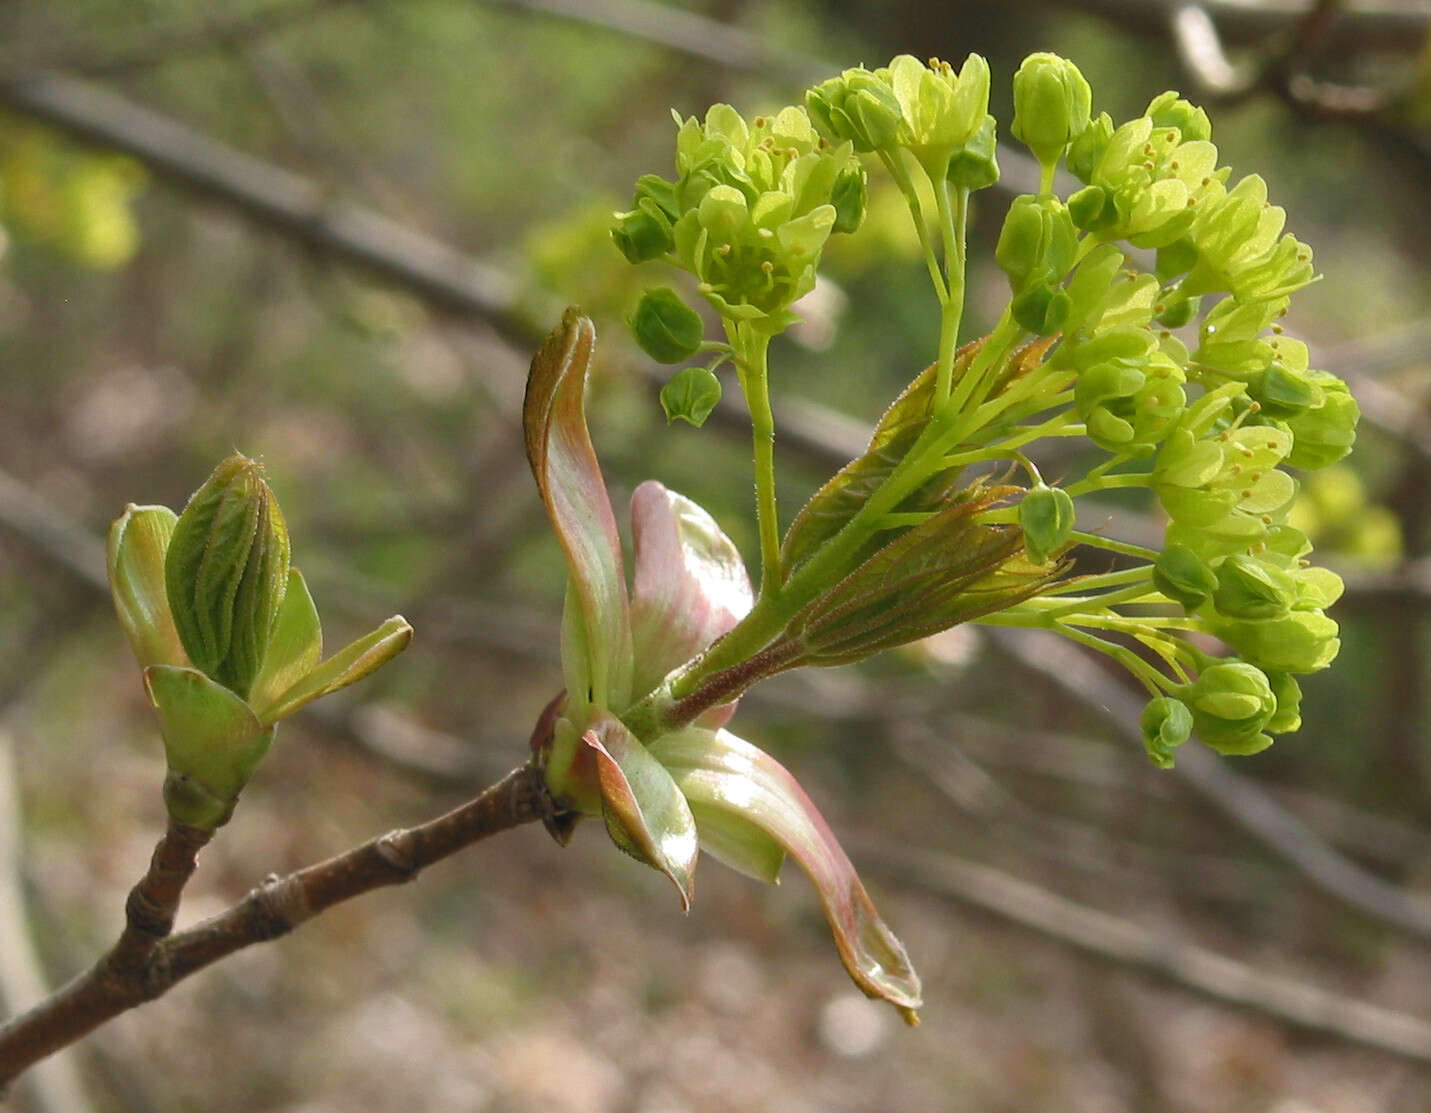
(330, 232)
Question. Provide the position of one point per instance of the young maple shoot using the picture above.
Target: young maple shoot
(226, 634)
(1181, 380)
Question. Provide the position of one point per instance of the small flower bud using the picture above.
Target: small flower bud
(667, 329)
(227, 571)
(1282, 392)
(857, 106)
(1036, 243)
(1086, 150)
(1288, 716)
(1249, 589)
(1180, 574)
(975, 165)
(849, 196)
(1231, 703)
(1092, 209)
(1168, 110)
(1042, 308)
(641, 235)
(1166, 724)
(1046, 516)
(1052, 102)
(1325, 433)
(1300, 642)
(645, 232)
(691, 395)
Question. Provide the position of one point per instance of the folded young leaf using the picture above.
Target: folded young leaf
(138, 543)
(689, 585)
(295, 647)
(646, 814)
(719, 771)
(349, 665)
(569, 479)
(947, 570)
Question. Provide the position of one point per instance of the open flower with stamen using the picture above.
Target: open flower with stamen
(695, 785)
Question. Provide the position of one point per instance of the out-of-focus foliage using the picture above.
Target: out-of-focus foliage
(75, 202)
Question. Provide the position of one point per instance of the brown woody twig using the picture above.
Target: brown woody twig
(147, 962)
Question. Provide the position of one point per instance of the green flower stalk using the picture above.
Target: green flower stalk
(226, 633)
(1178, 381)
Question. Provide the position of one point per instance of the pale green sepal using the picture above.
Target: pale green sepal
(294, 648)
(345, 667)
(212, 739)
(138, 543)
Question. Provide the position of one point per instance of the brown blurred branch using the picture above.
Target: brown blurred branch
(167, 42)
(281, 201)
(117, 982)
(1358, 23)
(1191, 967)
(1077, 676)
(55, 1088)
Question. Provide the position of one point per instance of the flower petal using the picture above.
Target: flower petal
(569, 479)
(646, 815)
(716, 769)
(690, 585)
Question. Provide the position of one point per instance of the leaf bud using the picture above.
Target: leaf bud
(1046, 516)
(1052, 102)
(1166, 724)
(226, 573)
(667, 329)
(691, 395)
